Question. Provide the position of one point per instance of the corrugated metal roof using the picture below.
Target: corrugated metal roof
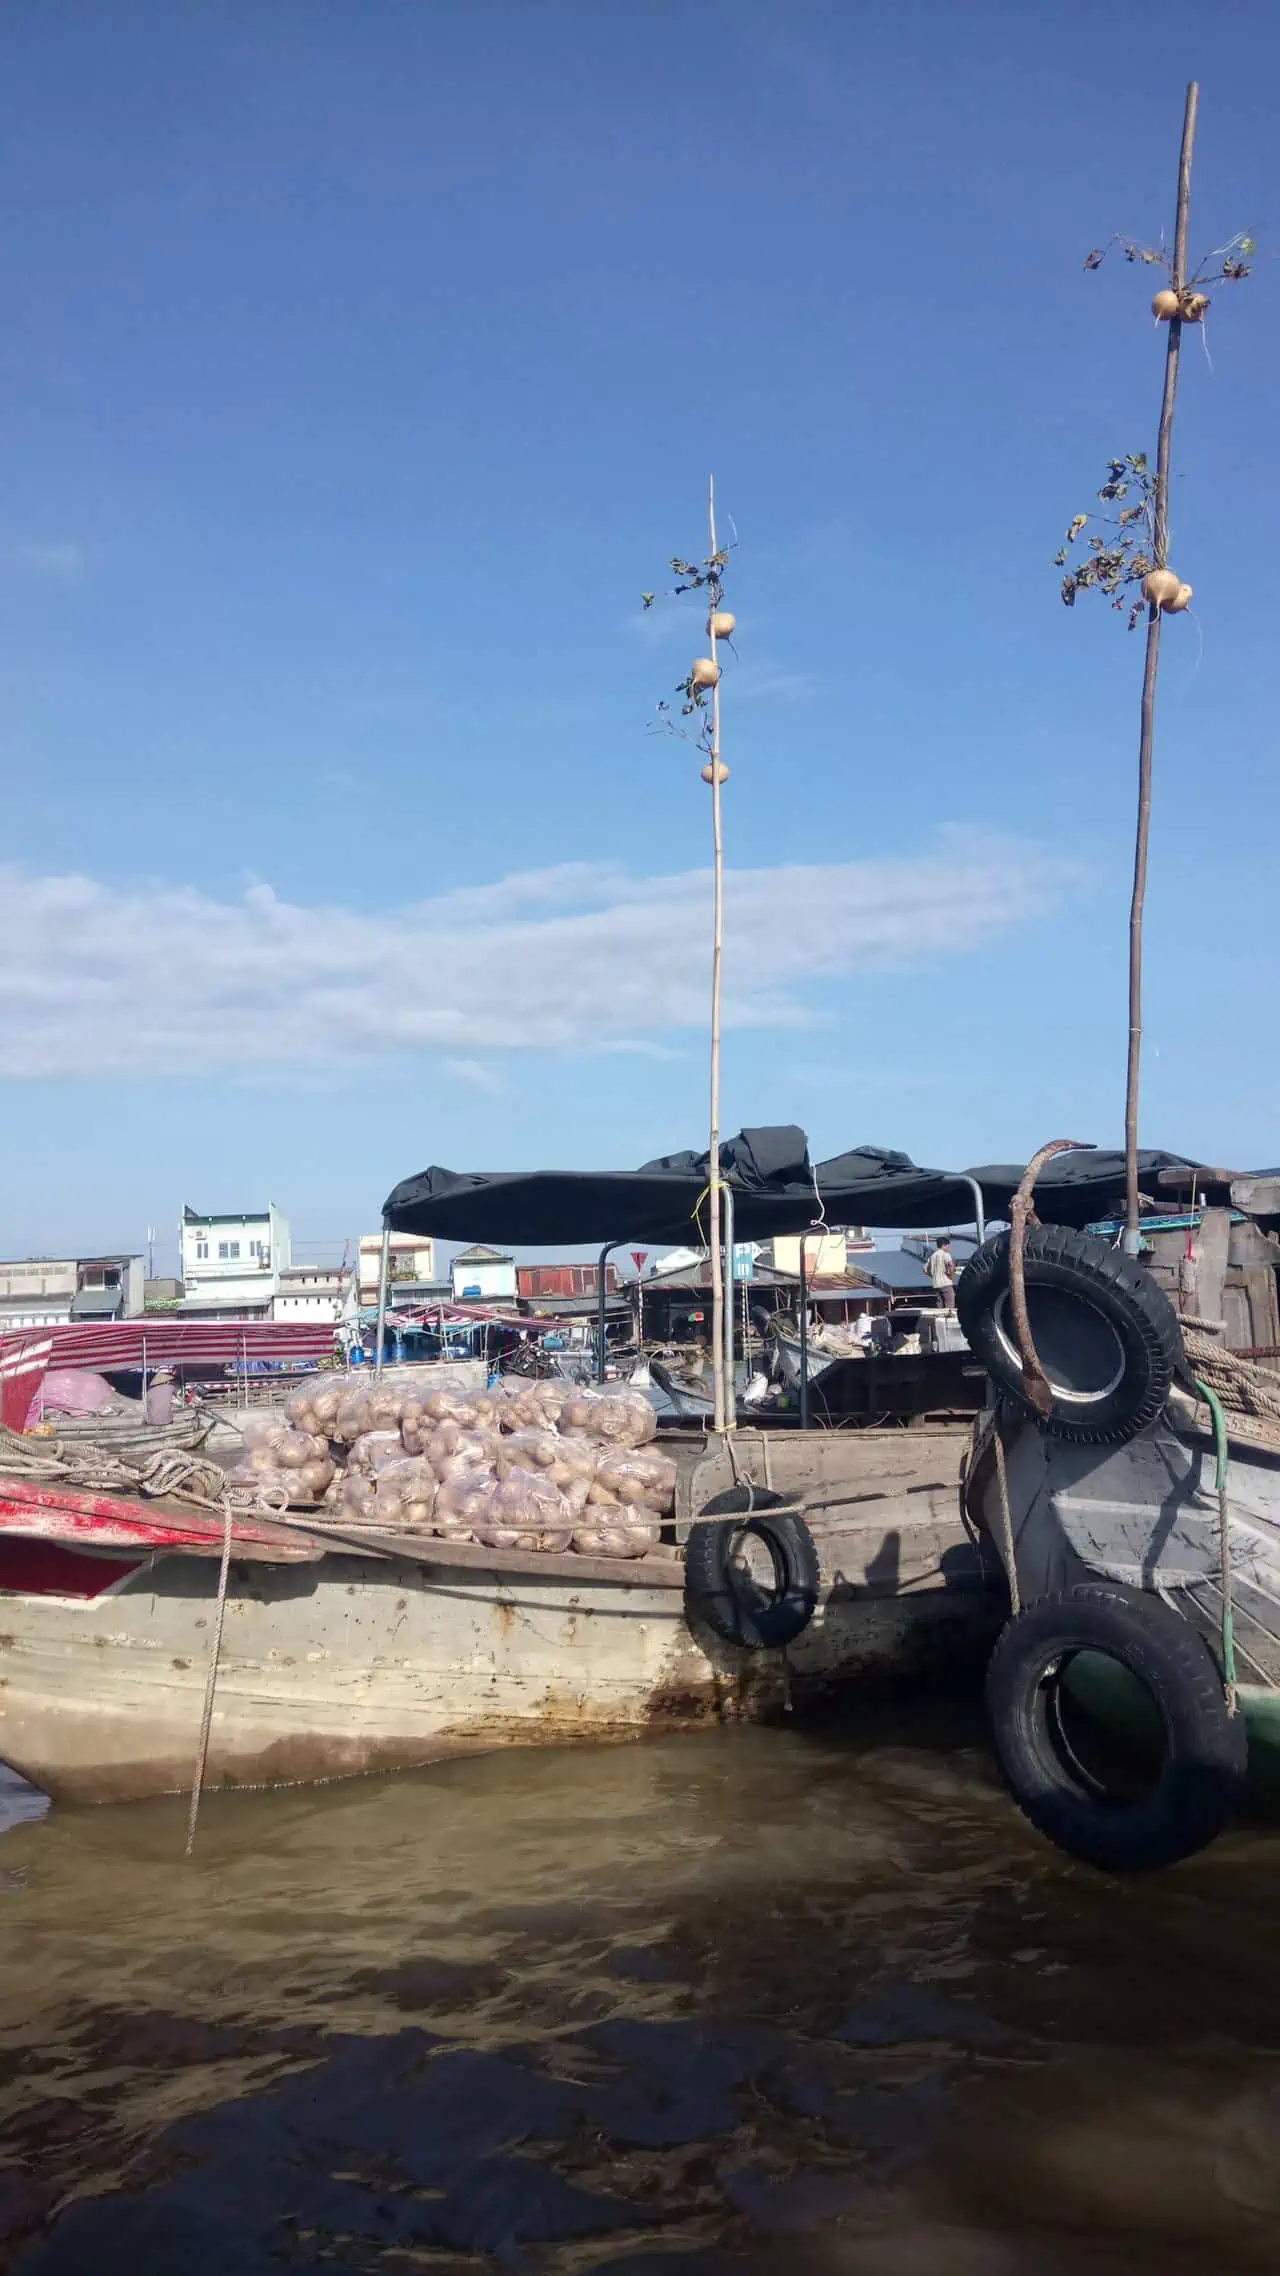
(894, 1269)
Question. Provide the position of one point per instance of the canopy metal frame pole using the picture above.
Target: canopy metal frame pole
(730, 1388)
(979, 1205)
(384, 1269)
(804, 1332)
(601, 1309)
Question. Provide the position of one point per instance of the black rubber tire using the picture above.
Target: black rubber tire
(725, 1596)
(1106, 1334)
(1202, 1774)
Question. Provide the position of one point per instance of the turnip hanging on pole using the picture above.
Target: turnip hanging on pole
(1137, 554)
(701, 708)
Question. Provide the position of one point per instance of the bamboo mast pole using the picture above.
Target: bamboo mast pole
(723, 1392)
(1146, 741)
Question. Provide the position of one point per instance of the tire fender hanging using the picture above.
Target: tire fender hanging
(1201, 1775)
(721, 1592)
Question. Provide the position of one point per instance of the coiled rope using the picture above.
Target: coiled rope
(168, 1471)
(1242, 1386)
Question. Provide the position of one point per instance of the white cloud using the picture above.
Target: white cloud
(762, 678)
(475, 1074)
(97, 979)
(54, 560)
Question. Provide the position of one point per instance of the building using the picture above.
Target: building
(416, 1295)
(542, 1283)
(51, 1292)
(677, 1262)
(231, 1264)
(485, 1274)
(411, 1257)
(826, 1252)
(109, 1288)
(314, 1292)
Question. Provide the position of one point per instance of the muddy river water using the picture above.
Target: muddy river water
(695, 2006)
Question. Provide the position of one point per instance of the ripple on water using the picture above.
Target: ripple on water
(678, 2009)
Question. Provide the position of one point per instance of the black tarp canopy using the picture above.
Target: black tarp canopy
(776, 1189)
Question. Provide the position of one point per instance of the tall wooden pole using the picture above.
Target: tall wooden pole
(1146, 743)
(722, 1392)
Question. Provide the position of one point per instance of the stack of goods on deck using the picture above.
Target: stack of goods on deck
(526, 1465)
(287, 1466)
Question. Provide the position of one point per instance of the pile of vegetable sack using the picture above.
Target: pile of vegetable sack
(524, 1465)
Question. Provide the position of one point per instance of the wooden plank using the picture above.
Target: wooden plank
(657, 1570)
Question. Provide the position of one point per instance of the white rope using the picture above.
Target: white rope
(211, 1680)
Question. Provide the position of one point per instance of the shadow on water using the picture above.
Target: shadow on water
(679, 2009)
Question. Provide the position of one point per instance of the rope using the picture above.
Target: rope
(1022, 1213)
(1240, 1383)
(1214, 1404)
(211, 1680)
(1006, 1522)
(169, 1471)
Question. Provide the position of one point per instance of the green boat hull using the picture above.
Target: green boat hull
(1117, 1699)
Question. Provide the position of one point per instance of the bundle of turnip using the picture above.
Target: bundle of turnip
(398, 1496)
(375, 1403)
(567, 1463)
(492, 1408)
(314, 1404)
(373, 1450)
(534, 1406)
(526, 1513)
(640, 1479)
(424, 1408)
(456, 1444)
(608, 1529)
(614, 1417)
(297, 1460)
(463, 1503)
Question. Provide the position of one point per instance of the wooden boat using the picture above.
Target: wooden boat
(343, 1653)
(874, 1385)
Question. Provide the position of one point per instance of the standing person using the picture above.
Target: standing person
(158, 1405)
(941, 1269)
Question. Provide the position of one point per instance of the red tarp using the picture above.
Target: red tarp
(156, 1342)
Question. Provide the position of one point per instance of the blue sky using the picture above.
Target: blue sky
(360, 366)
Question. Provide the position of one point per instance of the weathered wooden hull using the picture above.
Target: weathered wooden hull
(328, 1670)
(339, 1658)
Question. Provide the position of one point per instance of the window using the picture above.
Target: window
(202, 1252)
(227, 1250)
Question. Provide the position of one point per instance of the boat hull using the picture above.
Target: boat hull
(340, 1657)
(334, 1669)
(1146, 1515)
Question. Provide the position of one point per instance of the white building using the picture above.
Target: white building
(231, 1265)
(826, 1253)
(412, 1257)
(677, 1264)
(51, 1292)
(314, 1292)
(485, 1274)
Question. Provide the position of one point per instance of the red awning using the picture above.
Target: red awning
(27, 1353)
